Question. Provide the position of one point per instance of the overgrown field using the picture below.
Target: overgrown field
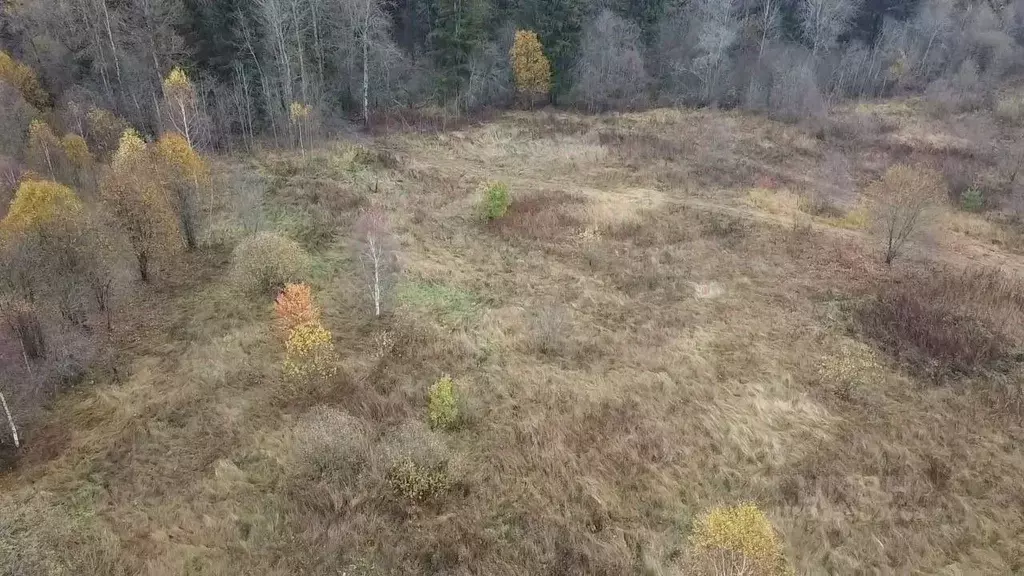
(680, 311)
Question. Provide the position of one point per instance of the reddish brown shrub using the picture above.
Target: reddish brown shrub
(942, 321)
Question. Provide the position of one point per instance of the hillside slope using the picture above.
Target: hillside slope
(660, 324)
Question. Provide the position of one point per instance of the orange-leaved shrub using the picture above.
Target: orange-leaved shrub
(294, 307)
(309, 347)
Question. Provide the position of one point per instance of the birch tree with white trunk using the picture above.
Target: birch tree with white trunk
(377, 255)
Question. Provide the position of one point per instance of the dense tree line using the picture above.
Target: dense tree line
(251, 60)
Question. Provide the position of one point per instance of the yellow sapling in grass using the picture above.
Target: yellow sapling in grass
(443, 405)
(309, 352)
(738, 540)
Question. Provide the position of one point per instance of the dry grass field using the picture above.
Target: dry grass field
(680, 310)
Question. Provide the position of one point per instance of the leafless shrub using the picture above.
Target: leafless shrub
(945, 321)
(1010, 108)
(787, 88)
(22, 318)
(332, 444)
(836, 191)
(550, 330)
(377, 253)
(960, 176)
(249, 193)
(853, 128)
(264, 263)
(10, 173)
(961, 92)
(904, 198)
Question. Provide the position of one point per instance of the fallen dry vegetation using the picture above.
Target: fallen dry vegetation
(639, 339)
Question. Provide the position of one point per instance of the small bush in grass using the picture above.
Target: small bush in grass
(294, 307)
(443, 405)
(738, 540)
(850, 369)
(496, 200)
(972, 200)
(266, 262)
(309, 352)
(332, 443)
(420, 467)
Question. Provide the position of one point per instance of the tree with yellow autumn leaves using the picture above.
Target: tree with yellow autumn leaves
(186, 176)
(182, 106)
(140, 203)
(24, 79)
(530, 66)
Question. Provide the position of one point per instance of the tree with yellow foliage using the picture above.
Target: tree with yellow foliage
(69, 264)
(182, 105)
(38, 204)
(44, 150)
(140, 203)
(185, 174)
(530, 66)
(79, 158)
(103, 132)
(24, 79)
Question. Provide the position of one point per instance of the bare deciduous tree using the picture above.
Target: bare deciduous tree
(904, 198)
(824, 21)
(610, 71)
(377, 254)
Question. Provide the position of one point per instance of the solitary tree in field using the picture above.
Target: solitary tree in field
(904, 197)
(185, 174)
(140, 203)
(530, 66)
(377, 254)
(182, 105)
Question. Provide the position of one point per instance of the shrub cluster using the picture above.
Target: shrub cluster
(331, 443)
(943, 321)
(419, 466)
(309, 348)
(266, 262)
